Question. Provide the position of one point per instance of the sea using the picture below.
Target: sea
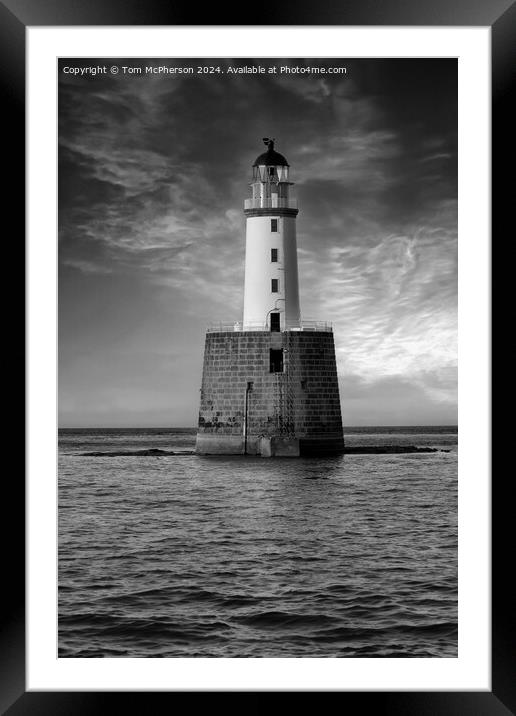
(178, 555)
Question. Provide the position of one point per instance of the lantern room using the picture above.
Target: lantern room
(270, 185)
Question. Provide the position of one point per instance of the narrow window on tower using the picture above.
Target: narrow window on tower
(274, 225)
(276, 360)
(274, 285)
(274, 255)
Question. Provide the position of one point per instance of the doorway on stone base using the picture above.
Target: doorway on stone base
(275, 322)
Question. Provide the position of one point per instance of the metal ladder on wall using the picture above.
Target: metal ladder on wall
(284, 394)
(290, 387)
(288, 392)
(279, 403)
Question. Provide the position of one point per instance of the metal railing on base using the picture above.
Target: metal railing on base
(308, 325)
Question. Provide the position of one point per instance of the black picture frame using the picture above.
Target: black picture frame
(15, 17)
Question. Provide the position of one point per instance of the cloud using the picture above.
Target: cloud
(392, 300)
(354, 157)
(312, 89)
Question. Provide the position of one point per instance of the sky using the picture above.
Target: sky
(153, 172)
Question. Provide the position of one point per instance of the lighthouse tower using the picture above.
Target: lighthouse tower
(269, 384)
(271, 293)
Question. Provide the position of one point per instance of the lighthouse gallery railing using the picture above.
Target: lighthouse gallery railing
(224, 326)
(270, 202)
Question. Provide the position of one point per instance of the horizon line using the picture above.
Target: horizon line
(194, 427)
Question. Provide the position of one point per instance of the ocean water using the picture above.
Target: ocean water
(187, 556)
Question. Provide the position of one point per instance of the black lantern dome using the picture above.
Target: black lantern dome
(270, 158)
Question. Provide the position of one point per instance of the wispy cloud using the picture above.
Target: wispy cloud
(393, 302)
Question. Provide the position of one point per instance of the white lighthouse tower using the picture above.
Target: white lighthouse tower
(271, 290)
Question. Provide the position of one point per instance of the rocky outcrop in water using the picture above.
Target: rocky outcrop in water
(362, 450)
(388, 449)
(149, 452)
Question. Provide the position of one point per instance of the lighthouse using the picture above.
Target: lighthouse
(269, 382)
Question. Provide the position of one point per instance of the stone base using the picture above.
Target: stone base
(288, 407)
